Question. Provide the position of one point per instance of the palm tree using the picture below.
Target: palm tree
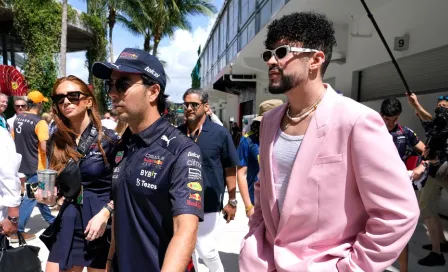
(114, 8)
(64, 39)
(156, 19)
(173, 15)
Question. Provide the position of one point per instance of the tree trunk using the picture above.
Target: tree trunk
(112, 20)
(146, 43)
(63, 59)
(156, 45)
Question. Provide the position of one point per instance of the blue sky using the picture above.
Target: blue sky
(180, 51)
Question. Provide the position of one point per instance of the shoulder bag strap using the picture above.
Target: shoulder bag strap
(84, 146)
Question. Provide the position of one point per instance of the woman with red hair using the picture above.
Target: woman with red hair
(82, 152)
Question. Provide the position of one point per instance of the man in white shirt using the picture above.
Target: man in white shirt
(9, 185)
(109, 121)
(20, 106)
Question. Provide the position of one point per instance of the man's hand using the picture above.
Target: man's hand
(418, 172)
(230, 211)
(412, 99)
(7, 227)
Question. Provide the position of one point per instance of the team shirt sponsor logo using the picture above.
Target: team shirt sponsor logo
(196, 204)
(194, 185)
(194, 163)
(156, 163)
(194, 173)
(195, 196)
(119, 156)
(154, 157)
(143, 183)
(148, 174)
(165, 138)
(192, 154)
(116, 171)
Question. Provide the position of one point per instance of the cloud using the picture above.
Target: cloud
(181, 56)
(76, 65)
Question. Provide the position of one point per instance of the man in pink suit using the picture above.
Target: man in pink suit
(333, 194)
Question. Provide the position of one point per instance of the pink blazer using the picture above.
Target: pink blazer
(349, 206)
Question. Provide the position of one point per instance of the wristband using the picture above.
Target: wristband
(109, 260)
(249, 208)
(107, 207)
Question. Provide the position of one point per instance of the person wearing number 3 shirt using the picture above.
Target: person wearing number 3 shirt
(30, 136)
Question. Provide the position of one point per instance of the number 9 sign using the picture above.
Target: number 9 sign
(401, 43)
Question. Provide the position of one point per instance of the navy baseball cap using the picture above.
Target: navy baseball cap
(133, 60)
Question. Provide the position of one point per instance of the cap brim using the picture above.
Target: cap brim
(45, 99)
(104, 70)
(258, 118)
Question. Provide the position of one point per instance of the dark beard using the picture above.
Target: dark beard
(286, 84)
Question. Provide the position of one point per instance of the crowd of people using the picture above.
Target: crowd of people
(134, 192)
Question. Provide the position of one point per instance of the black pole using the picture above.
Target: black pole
(378, 30)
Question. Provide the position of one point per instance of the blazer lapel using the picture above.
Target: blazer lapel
(314, 139)
(270, 132)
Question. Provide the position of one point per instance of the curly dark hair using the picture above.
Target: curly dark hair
(391, 107)
(311, 29)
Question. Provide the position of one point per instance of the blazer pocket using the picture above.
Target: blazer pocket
(328, 159)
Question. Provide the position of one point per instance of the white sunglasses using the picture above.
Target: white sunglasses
(281, 52)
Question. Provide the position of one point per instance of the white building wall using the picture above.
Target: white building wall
(425, 21)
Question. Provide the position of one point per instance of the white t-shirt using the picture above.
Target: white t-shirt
(9, 179)
(108, 123)
(284, 155)
(11, 122)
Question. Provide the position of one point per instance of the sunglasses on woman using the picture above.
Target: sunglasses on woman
(121, 85)
(73, 97)
(20, 106)
(281, 52)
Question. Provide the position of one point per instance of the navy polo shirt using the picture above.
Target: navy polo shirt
(157, 176)
(405, 140)
(218, 152)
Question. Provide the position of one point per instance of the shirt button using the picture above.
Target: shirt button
(278, 242)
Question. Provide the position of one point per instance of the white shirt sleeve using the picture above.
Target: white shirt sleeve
(9, 177)
(215, 119)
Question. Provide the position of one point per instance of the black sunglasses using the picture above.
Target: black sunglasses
(20, 106)
(193, 105)
(121, 85)
(73, 97)
(281, 52)
(443, 98)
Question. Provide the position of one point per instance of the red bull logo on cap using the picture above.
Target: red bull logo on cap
(128, 55)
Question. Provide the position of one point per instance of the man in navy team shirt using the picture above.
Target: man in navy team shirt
(157, 193)
(407, 144)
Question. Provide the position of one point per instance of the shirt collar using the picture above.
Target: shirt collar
(207, 124)
(151, 133)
